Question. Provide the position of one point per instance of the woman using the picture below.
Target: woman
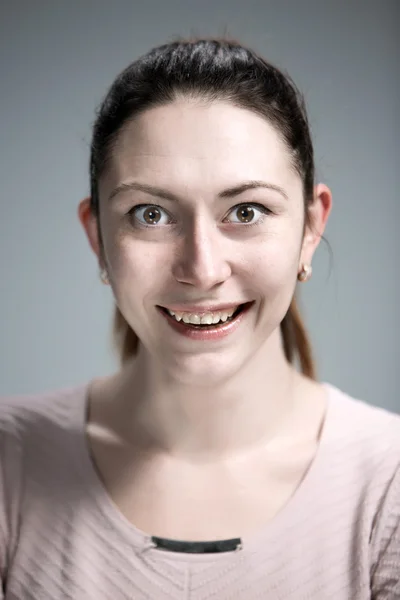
(213, 464)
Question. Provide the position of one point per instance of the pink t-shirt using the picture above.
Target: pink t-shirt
(61, 536)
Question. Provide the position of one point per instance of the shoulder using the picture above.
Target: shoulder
(362, 446)
(369, 440)
(363, 442)
(35, 435)
(23, 417)
(368, 430)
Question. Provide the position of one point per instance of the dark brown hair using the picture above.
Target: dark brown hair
(208, 69)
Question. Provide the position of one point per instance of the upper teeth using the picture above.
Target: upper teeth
(203, 319)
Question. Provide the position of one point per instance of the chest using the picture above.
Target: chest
(181, 501)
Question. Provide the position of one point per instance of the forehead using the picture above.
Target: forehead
(189, 144)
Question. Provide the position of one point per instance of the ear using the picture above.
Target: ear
(318, 216)
(89, 223)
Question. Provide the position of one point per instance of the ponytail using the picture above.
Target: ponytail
(296, 342)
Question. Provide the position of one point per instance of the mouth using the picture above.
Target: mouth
(203, 321)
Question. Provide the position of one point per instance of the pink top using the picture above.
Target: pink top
(61, 536)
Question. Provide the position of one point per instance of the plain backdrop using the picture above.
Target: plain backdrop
(58, 58)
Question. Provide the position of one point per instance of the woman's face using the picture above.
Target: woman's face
(200, 210)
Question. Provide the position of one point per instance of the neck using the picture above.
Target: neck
(201, 424)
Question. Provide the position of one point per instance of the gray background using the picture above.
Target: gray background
(58, 59)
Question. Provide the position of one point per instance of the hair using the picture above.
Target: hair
(210, 70)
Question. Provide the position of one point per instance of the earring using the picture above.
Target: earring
(305, 273)
(104, 276)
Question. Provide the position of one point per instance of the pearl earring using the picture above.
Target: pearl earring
(104, 277)
(305, 273)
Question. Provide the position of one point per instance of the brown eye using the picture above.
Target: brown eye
(152, 215)
(245, 214)
(149, 215)
(248, 214)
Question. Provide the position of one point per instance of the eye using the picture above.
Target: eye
(150, 215)
(248, 213)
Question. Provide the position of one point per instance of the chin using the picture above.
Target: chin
(205, 370)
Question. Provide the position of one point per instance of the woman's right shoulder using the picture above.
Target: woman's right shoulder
(23, 416)
(36, 430)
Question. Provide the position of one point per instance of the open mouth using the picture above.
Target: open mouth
(213, 320)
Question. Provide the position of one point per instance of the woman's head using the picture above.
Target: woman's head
(202, 193)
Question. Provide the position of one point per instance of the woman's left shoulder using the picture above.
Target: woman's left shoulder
(369, 431)
(360, 410)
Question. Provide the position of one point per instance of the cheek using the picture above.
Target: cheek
(273, 279)
(273, 263)
(138, 268)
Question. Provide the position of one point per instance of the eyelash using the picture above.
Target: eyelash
(260, 207)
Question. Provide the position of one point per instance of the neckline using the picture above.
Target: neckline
(287, 515)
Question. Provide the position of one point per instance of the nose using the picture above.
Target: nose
(202, 259)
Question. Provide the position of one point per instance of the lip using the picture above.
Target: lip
(201, 309)
(207, 333)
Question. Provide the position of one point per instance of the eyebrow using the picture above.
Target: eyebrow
(166, 195)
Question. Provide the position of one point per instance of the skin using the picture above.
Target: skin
(202, 405)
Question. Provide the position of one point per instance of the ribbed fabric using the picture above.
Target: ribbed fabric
(61, 537)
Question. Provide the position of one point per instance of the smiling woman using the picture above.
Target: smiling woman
(216, 238)
(213, 463)
(290, 130)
